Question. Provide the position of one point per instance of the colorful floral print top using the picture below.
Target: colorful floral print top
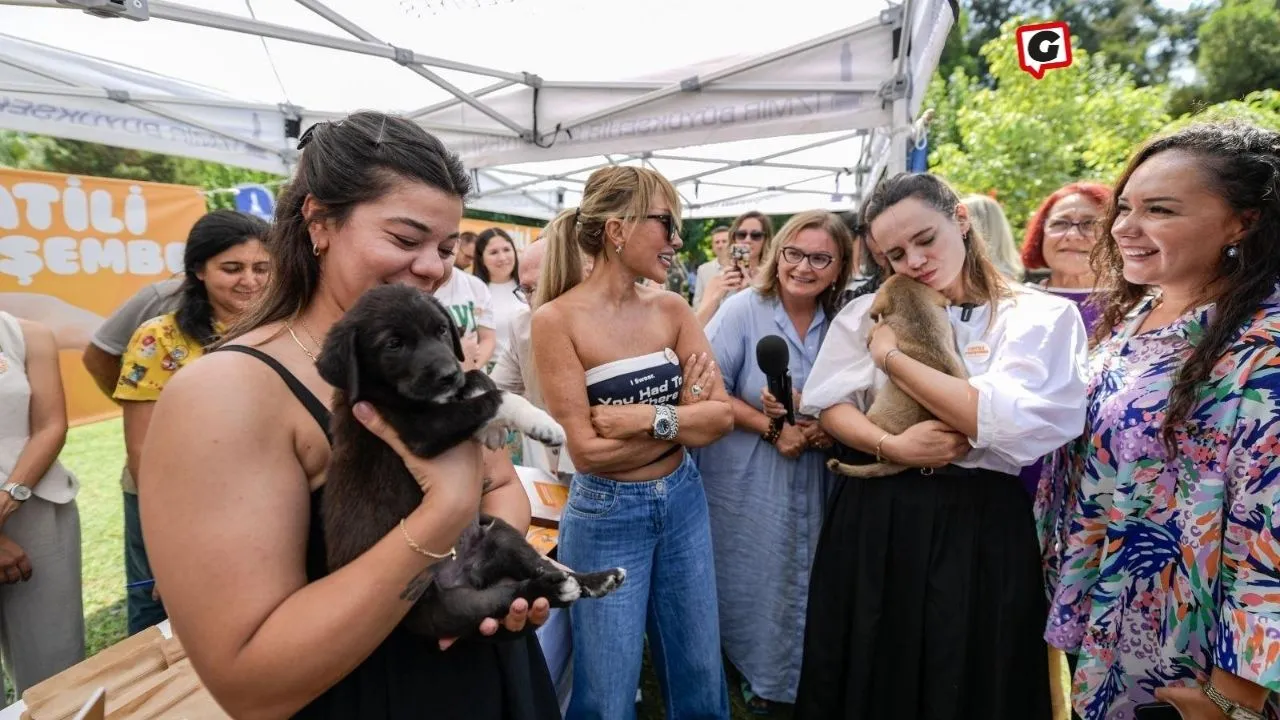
(156, 351)
(1158, 570)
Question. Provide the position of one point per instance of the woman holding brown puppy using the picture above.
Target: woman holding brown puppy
(926, 597)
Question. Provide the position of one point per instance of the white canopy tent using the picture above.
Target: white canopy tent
(766, 105)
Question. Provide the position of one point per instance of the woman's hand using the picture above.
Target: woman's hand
(814, 434)
(15, 566)
(774, 409)
(930, 444)
(619, 422)
(698, 374)
(457, 473)
(8, 506)
(881, 341)
(791, 442)
(515, 621)
(729, 280)
(1190, 702)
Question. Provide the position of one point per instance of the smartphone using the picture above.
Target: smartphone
(739, 254)
(1156, 711)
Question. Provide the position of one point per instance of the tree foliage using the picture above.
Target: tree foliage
(1024, 138)
(1240, 49)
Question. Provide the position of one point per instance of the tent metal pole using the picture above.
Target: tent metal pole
(543, 178)
(700, 81)
(446, 104)
(731, 164)
(234, 23)
(525, 193)
(745, 87)
(752, 163)
(753, 193)
(104, 94)
(158, 111)
(360, 33)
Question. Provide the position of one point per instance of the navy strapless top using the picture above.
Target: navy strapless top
(652, 379)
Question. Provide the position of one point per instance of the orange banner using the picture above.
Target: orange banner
(72, 249)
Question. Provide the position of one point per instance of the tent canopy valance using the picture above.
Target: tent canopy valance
(758, 104)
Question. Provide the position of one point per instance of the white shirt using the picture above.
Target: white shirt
(514, 373)
(505, 307)
(467, 298)
(58, 486)
(706, 271)
(1029, 370)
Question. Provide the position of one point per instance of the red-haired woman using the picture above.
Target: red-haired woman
(1060, 237)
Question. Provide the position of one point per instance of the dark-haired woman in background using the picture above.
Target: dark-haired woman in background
(233, 476)
(226, 268)
(926, 595)
(1169, 582)
(498, 264)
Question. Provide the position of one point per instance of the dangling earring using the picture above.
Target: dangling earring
(618, 248)
(1231, 252)
(315, 249)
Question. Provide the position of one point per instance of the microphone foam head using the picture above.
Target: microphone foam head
(772, 355)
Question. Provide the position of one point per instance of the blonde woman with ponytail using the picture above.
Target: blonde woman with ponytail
(628, 372)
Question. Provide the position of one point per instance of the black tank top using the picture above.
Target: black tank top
(408, 676)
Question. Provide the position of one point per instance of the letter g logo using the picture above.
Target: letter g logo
(1044, 46)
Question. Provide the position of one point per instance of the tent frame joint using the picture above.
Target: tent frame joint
(404, 56)
(120, 96)
(892, 16)
(895, 88)
(691, 84)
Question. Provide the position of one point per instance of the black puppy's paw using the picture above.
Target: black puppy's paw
(597, 585)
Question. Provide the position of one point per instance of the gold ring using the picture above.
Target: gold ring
(926, 471)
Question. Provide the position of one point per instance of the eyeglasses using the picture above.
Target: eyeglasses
(668, 222)
(817, 261)
(755, 235)
(524, 293)
(1062, 226)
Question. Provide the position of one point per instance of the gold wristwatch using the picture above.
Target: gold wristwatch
(1229, 707)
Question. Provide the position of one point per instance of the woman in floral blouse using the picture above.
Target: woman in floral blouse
(1165, 565)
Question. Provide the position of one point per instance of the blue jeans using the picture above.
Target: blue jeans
(660, 533)
(143, 612)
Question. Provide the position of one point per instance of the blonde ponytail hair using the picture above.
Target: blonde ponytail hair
(618, 191)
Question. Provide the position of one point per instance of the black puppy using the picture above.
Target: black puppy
(398, 349)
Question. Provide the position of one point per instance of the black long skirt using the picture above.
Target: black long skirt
(926, 602)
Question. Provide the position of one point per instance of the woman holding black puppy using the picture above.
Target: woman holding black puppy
(233, 470)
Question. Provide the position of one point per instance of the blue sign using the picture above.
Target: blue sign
(255, 200)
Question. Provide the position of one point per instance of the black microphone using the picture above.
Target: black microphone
(773, 357)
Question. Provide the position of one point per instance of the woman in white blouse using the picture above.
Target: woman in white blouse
(498, 265)
(926, 597)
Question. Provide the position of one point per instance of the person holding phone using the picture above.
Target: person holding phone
(749, 234)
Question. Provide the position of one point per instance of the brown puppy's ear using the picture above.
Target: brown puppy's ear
(883, 304)
(339, 361)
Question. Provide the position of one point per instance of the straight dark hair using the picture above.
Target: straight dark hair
(212, 235)
(1241, 164)
(482, 241)
(344, 164)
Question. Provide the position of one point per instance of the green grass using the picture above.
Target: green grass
(95, 453)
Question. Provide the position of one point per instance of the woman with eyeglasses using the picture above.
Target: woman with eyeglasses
(1060, 236)
(767, 481)
(749, 236)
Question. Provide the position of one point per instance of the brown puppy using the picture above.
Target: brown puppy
(918, 315)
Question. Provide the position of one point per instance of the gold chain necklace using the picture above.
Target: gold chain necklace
(289, 326)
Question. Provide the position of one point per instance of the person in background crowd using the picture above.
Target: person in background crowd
(235, 464)
(225, 266)
(926, 598)
(471, 306)
(514, 371)
(1059, 238)
(41, 612)
(752, 231)
(712, 267)
(1160, 522)
(498, 265)
(767, 481)
(678, 278)
(466, 251)
(992, 224)
(102, 359)
(625, 370)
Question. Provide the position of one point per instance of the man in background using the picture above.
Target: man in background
(465, 251)
(712, 267)
(102, 360)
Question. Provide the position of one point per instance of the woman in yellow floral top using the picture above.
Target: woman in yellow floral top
(225, 267)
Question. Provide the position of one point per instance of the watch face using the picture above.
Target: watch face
(20, 492)
(663, 426)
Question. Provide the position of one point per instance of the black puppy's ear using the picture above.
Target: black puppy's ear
(339, 361)
(457, 337)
